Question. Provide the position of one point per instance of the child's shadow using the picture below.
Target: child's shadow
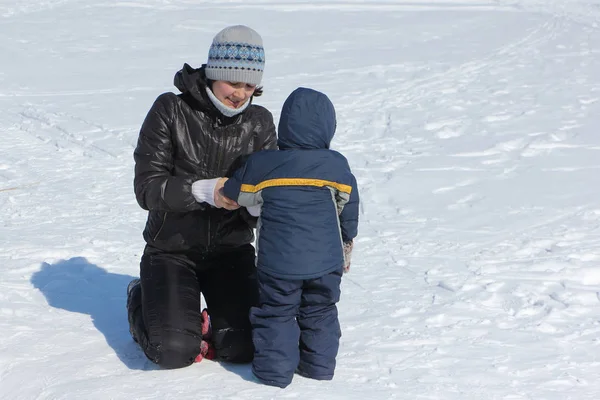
(78, 286)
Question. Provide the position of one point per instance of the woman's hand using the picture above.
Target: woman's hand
(221, 201)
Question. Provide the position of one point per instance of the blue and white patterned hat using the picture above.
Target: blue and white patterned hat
(236, 55)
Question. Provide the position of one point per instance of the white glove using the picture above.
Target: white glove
(348, 255)
(204, 190)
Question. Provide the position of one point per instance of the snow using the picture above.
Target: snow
(470, 125)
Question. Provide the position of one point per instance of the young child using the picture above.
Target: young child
(308, 219)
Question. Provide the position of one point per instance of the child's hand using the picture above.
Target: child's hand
(222, 201)
(347, 255)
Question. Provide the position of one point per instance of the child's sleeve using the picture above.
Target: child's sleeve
(240, 188)
(349, 215)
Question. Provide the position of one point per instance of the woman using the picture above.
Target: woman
(197, 240)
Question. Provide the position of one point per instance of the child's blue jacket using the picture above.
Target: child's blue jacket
(308, 193)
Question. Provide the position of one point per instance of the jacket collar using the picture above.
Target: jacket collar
(192, 84)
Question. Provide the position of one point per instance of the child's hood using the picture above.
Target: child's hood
(307, 121)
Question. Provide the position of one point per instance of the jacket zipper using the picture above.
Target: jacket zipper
(161, 227)
(208, 234)
(216, 129)
(221, 149)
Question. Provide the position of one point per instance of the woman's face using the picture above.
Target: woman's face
(233, 94)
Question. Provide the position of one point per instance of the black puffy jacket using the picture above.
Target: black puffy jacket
(185, 138)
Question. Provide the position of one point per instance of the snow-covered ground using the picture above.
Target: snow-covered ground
(472, 126)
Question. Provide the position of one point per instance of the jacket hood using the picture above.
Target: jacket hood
(307, 121)
(191, 80)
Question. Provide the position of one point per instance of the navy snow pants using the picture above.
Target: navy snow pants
(165, 317)
(295, 328)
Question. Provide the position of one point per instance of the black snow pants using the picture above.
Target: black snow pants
(165, 311)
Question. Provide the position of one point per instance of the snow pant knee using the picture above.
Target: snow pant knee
(175, 350)
(169, 333)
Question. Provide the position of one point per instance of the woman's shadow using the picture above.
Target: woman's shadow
(78, 286)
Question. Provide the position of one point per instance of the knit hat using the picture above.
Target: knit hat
(236, 55)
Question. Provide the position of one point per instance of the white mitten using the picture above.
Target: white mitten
(347, 255)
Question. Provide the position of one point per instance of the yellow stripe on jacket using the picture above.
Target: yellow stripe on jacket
(295, 182)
